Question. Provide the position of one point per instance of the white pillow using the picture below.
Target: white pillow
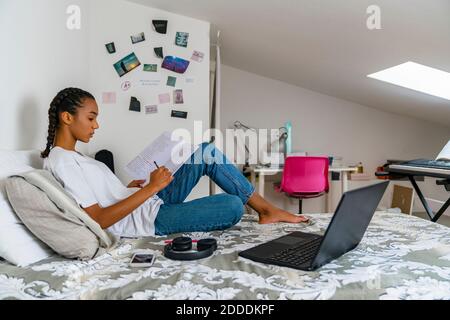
(17, 244)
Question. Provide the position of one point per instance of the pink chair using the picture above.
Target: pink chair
(304, 178)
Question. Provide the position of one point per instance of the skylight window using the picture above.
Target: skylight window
(417, 77)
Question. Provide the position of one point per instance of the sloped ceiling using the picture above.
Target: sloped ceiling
(325, 45)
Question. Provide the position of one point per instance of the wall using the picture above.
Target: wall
(127, 133)
(327, 125)
(39, 57)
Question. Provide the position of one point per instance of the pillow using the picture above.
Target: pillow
(55, 218)
(18, 245)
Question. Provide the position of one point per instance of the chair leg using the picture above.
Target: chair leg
(300, 210)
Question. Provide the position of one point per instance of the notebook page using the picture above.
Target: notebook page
(445, 153)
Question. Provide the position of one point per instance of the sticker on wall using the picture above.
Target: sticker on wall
(127, 64)
(160, 26)
(175, 64)
(179, 114)
(190, 80)
(151, 67)
(135, 105)
(151, 109)
(181, 39)
(164, 98)
(198, 56)
(126, 85)
(111, 47)
(171, 81)
(109, 97)
(138, 38)
(151, 82)
(159, 52)
(178, 97)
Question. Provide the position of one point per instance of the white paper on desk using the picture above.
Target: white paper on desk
(166, 152)
(445, 153)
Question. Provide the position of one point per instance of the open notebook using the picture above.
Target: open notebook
(444, 155)
(163, 151)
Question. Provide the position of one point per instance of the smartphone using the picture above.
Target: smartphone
(142, 260)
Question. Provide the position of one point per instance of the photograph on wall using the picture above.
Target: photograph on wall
(181, 39)
(160, 26)
(175, 64)
(164, 98)
(135, 105)
(109, 97)
(151, 109)
(198, 56)
(151, 67)
(159, 52)
(178, 97)
(179, 114)
(138, 38)
(127, 64)
(171, 81)
(111, 47)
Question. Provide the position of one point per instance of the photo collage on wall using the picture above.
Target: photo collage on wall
(178, 66)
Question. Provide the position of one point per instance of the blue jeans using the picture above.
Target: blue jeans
(216, 212)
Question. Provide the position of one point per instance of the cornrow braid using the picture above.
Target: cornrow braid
(67, 100)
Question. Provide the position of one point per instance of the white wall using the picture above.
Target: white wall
(127, 133)
(40, 56)
(327, 125)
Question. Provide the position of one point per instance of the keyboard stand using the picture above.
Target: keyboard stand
(410, 173)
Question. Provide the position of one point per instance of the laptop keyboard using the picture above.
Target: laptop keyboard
(428, 164)
(298, 255)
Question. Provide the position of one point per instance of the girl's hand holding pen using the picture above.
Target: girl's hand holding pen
(160, 178)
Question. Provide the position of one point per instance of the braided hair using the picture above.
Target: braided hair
(67, 100)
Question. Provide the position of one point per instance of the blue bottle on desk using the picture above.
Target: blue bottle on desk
(288, 126)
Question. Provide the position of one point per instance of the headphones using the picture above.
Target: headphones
(181, 249)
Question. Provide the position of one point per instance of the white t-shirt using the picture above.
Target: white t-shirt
(91, 182)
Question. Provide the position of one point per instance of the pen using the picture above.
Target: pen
(156, 164)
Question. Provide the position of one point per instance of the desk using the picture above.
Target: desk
(412, 172)
(266, 171)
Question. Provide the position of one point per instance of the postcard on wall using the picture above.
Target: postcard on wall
(111, 47)
(151, 67)
(159, 52)
(164, 98)
(181, 39)
(171, 81)
(160, 26)
(179, 114)
(138, 38)
(109, 97)
(198, 56)
(151, 109)
(135, 105)
(127, 64)
(178, 97)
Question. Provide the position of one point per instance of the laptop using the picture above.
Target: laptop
(308, 251)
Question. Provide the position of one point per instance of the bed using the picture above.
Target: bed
(400, 257)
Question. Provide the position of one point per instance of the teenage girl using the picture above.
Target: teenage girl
(158, 208)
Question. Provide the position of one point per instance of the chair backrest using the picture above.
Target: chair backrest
(305, 175)
(107, 158)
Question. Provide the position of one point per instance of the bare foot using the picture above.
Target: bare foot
(280, 216)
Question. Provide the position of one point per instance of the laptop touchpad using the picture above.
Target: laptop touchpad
(289, 240)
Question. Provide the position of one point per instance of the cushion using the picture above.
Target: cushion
(17, 244)
(54, 217)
